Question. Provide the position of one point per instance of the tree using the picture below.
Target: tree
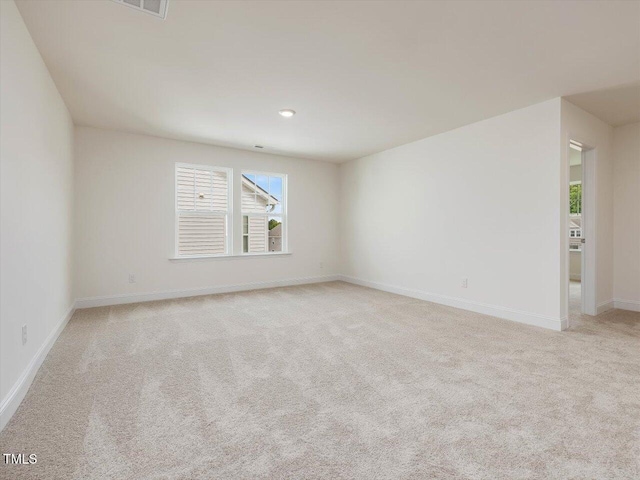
(575, 199)
(273, 223)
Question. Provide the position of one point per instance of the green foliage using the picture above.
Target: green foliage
(273, 223)
(575, 199)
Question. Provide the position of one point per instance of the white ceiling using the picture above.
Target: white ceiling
(616, 106)
(363, 76)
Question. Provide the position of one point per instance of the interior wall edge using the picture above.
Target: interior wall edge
(534, 319)
(18, 391)
(605, 307)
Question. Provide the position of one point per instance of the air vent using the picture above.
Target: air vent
(157, 8)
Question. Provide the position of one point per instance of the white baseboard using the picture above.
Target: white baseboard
(486, 309)
(89, 302)
(12, 400)
(564, 323)
(633, 305)
(604, 307)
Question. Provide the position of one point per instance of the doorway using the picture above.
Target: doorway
(576, 237)
(580, 207)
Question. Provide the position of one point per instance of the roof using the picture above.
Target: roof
(271, 200)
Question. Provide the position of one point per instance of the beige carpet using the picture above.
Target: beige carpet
(330, 381)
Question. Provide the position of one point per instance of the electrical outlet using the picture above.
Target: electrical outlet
(321, 265)
(24, 334)
(464, 283)
(132, 278)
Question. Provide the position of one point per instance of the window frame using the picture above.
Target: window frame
(283, 216)
(228, 214)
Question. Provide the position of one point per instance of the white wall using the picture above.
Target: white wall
(576, 172)
(125, 217)
(575, 265)
(480, 202)
(626, 147)
(36, 194)
(576, 124)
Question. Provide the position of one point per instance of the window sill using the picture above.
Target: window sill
(229, 257)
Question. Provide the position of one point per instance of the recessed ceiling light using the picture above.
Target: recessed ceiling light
(287, 113)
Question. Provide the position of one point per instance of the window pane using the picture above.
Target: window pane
(275, 234)
(245, 243)
(250, 177)
(202, 235)
(264, 232)
(254, 200)
(201, 189)
(275, 187)
(257, 234)
(575, 199)
(220, 193)
(202, 194)
(275, 223)
(263, 182)
(204, 190)
(184, 188)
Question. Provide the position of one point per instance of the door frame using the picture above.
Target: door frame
(589, 226)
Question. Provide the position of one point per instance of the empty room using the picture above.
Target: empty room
(319, 239)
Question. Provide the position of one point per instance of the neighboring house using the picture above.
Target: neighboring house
(256, 204)
(275, 238)
(575, 247)
(575, 233)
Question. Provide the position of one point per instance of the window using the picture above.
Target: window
(203, 196)
(204, 212)
(263, 212)
(575, 199)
